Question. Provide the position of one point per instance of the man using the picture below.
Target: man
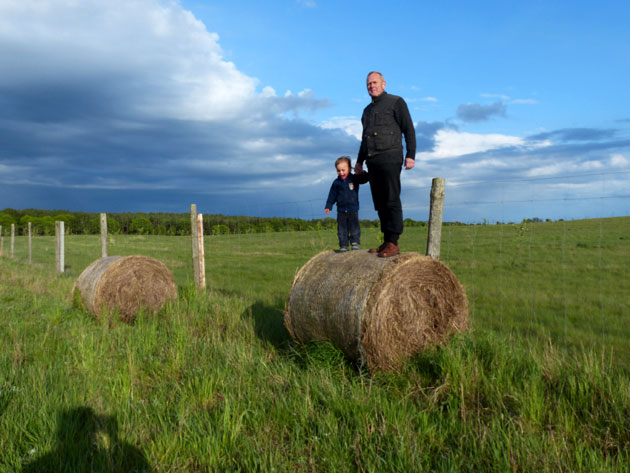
(384, 122)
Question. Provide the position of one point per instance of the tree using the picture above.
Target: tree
(5, 221)
(220, 230)
(113, 225)
(140, 225)
(44, 225)
(68, 221)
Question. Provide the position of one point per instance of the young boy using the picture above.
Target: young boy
(345, 192)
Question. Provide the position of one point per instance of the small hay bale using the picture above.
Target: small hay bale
(124, 284)
(378, 311)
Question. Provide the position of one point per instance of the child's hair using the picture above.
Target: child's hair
(342, 159)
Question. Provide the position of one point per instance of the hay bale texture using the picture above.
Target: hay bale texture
(124, 284)
(378, 311)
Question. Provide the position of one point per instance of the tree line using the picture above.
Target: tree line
(160, 223)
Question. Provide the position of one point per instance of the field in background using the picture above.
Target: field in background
(214, 383)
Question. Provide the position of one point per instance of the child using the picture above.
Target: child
(345, 192)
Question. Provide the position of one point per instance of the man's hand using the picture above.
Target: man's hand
(327, 211)
(358, 168)
(409, 163)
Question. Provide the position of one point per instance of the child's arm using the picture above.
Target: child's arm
(332, 198)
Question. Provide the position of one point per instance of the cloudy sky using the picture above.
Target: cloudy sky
(242, 106)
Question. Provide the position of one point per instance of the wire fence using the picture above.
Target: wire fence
(535, 265)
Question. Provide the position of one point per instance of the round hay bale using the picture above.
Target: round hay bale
(378, 311)
(124, 284)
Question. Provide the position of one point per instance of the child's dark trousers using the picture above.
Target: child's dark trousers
(348, 224)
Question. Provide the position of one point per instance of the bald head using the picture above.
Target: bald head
(377, 73)
(375, 83)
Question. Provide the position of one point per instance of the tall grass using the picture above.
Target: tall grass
(214, 383)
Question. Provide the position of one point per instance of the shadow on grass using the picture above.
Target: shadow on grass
(87, 442)
(269, 323)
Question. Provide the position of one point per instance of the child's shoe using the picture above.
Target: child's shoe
(343, 249)
(356, 246)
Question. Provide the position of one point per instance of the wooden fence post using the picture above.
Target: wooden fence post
(12, 240)
(202, 261)
(195, 242)
(103, 235)
(30, 243)
(59, 247)
(435, 218)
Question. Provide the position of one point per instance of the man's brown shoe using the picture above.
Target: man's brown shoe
(389, 250)
(377, 250)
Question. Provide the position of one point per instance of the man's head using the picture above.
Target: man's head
(375, 84)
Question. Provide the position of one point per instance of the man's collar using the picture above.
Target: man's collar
(378, 97)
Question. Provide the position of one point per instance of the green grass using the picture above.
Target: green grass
(214, 383)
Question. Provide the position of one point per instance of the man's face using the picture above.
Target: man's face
(375, 85)
(343, 170)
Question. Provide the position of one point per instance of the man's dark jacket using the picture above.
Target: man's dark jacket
(345, 192)
(384, 121)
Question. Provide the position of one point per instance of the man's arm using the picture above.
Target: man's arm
(358, 167)
(403, 117)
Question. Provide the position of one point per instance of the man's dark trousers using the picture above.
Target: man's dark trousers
(348, 223)
(385, 187)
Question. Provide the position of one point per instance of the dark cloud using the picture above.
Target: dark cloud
(89, 119)
(474, 112)
(575, 134)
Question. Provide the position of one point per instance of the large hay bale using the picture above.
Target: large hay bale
(378, 311)
(124, 284)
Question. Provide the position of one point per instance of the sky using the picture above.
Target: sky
(241, 107)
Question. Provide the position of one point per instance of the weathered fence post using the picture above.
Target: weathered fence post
(12, 240)
(195, 242)
(30, 243)
(202, 261)
(435, 218)
(59, 247)
(103, 235)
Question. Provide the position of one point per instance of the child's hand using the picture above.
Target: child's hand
(327, 211)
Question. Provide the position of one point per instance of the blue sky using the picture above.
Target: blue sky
(242, 107)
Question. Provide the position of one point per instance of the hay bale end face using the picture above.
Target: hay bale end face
(124, 284)
(378, 311)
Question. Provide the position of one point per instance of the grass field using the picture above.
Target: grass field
(214, 383)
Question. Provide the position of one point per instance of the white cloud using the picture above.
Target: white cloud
(422, 99)
(620, 161)
(154, 53)
(451, 143)
(11, 170)
(565, 167)
(496, 96)
(268, 92)
(524, 101)
(509, 99)
(351, 125)
(485, 164)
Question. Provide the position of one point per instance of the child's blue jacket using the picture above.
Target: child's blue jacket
(345, 192)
